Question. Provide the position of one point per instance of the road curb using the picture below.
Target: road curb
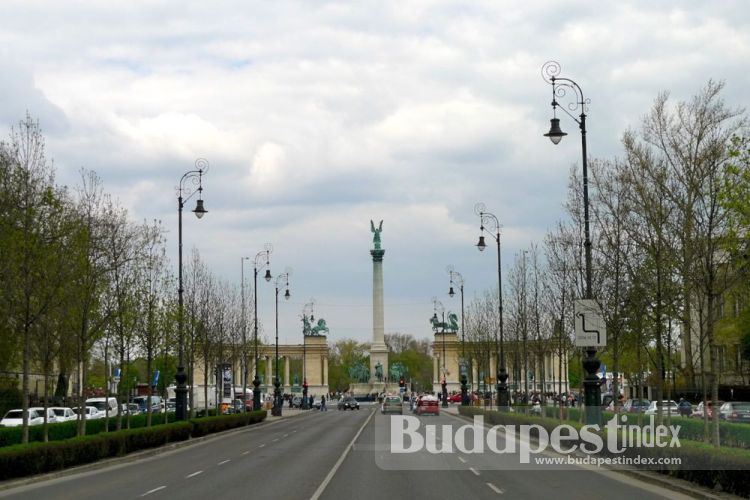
(138, 455)
(677, 485)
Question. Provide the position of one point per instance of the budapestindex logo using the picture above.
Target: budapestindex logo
(409, 436)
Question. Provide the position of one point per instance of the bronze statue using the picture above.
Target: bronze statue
(376, 232)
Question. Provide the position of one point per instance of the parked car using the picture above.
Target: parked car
(297, 402)
(90, 412)
(348, 403)
(392, 404)
(142, 401)
(14, 418)
(666, 406)
(129, 408)
(316, 404)
(102, 403)
(63, 414)
(636, 405)
(427, 404)
(700, 410)
(51, 417)
(735, 411)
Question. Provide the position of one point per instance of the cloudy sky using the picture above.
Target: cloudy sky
(319, 116)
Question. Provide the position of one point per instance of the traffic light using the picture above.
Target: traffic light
(402, 382)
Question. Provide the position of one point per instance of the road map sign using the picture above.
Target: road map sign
(590, 327)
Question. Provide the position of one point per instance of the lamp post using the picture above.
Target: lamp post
(457, 279)
(244, 334)
(560, 86)
(310, 306)
(436, 304)
(258, 266)
(195, 177)
(278, 402)
(490, 222)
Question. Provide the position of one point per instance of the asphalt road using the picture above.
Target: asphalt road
(328, 455)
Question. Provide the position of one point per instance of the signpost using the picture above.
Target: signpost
(589, 323)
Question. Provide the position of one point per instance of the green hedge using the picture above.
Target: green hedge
(731, 434)
(67, 430)
(725, 467)
(36, 458)
(209, 425)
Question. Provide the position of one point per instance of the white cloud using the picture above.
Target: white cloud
(317, 116)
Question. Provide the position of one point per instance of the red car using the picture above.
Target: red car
(456, 398)
(427, 404)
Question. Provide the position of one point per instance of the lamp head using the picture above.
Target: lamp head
(481, 245)
(268, 275)
(555, 134)
(200, 211)
(451, 293)
(287, 294)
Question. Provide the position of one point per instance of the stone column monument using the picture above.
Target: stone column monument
(378, 349)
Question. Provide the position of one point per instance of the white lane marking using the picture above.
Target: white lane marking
(336, 466)
(261, 446)
(193, 474)
(153, 491)
(286, 435)
(225, 461)
(472, 469)
(275, 440)
(495, 489)
(462, 459)
(246, 452)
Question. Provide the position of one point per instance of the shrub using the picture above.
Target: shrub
(705, 464)
(35, 458)
(209, 425)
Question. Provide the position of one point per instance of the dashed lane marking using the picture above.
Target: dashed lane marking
(495, 489)
(153, 491)
(246, 452)
(462, 459)
(472, 469)
(223, 462)
(261, 446)
(193, 474)
(275, 440)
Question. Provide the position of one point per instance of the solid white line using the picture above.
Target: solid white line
(225, 461)
(495, 489)
(472, 469)
(336, 466)
(193, 474)
(153, 491)
(462, 459)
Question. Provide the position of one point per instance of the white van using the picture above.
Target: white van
(101, 405)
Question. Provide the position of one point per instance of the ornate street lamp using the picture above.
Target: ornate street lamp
(244, 334)
(457, 279)
(259, 265)
(490, 222)
(560, 86)
(195, 177)
(278, 401)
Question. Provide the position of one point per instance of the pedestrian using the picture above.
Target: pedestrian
(323, 403)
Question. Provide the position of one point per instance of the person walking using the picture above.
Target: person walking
(323, 403)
